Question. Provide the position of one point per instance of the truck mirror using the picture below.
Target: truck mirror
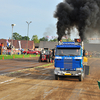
(83, 52)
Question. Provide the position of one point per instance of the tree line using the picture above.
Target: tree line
(34, 38)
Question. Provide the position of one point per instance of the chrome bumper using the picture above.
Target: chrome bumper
(67, 73)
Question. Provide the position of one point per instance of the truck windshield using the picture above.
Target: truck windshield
(68, 51)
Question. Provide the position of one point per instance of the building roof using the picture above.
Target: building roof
(47, 44)
(92, 47)
(37, 44)
(16, 43)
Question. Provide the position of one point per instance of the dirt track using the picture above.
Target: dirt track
(7, 66)
(39, 84)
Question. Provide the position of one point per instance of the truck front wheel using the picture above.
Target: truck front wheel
(56, 77)
(81, 77)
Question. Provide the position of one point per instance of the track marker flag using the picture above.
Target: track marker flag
(98, 84)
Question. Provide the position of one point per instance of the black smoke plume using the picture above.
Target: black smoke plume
(82, 14)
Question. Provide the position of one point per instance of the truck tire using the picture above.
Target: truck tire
(56, 77)
(47, 60)
(81, 77)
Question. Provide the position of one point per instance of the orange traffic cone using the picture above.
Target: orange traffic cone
(13, 57)
(3, 57)
(30, 55)
(23, 56)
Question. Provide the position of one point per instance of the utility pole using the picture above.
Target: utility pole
(12, 38)
(28, 32)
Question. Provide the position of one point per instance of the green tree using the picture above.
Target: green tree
(54, 40)
(67, 40)
(43, 39)
(35, 39)
(63, 40)
(25, 38)
(16, 36)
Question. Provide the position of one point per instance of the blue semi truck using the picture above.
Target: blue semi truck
(70, 60)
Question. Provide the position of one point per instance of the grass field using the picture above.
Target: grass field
(15, 56)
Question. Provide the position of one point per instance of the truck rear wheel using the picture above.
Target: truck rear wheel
(56, 77)
(47, 60)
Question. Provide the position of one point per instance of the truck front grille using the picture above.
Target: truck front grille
(67, 63)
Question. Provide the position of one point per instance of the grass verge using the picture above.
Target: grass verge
(23, 70)
(44, 65)
(16, 56)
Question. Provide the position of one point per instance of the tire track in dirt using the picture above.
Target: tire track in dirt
(16, 64)
(40, 84)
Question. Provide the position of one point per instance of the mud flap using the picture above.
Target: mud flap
(86, 70)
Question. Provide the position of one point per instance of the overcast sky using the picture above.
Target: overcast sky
(40, 12)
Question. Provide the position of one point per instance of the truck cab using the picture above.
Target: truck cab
(69, 60)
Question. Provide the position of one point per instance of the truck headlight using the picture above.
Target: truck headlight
(57, 68)
(58, 57)
(78, 68)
